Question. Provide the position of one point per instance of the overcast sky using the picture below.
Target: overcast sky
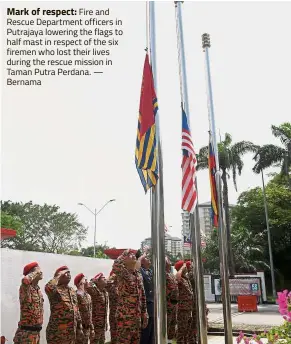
(73, 139)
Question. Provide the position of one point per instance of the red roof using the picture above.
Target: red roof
(114, 253)
(7, 233)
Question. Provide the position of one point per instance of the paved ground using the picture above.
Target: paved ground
(266, 315)
(220, 340)
(217, 340)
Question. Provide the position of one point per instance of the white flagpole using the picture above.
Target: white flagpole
(158, 223)
(223, 244)
(194, 218)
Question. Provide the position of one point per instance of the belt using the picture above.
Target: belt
(36, 328)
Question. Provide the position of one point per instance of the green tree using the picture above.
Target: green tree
(10, 222)
(178, 257)
(230, 162)
(171, 257)
(249, 215)
(271, 155)
(44, 228)
(211, 254)
(89, 251)
(248, 250)
(75, 252)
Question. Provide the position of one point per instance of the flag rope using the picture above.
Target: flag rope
(179, 56)
(147, 27)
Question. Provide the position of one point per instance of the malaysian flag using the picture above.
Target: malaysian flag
(189, 163)
(146, 148)
(187, 242)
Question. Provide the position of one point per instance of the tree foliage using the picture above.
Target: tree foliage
(249, 235)
(230, 162)
(211, 254)
(10, 222)
(173, 258)
(271, 155)
(249, 216)
(248, 251)
(89, 251)
(44, 228)
(250, 211)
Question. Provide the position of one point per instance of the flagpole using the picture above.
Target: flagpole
(269, 237)
(158, 223)
(194, 218)
(223, 244)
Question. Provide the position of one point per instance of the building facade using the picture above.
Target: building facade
(205, 217)
(173, 245)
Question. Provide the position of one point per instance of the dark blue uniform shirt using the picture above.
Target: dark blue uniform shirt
(148, 284)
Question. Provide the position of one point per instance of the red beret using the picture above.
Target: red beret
(100, 275)
(62, 268)
(179, 264)
(188, 264)
(29, 267)
(78, 279)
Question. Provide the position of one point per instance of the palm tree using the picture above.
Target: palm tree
(230, 161)
(249, 252)
(271, 155)
(247, 248)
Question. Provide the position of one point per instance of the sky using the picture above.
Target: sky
(73, 139)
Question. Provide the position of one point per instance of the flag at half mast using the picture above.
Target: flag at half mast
(213, 190)
(146, 145)
(189, 163)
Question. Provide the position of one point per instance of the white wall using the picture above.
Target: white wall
(209, 297)
(12, 263)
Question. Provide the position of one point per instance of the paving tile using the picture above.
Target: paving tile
(220, 340)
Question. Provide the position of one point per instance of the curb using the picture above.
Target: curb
(235, 333)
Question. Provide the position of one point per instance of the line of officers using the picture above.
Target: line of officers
(79, 316)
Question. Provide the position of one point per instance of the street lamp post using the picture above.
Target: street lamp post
(95, 213)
